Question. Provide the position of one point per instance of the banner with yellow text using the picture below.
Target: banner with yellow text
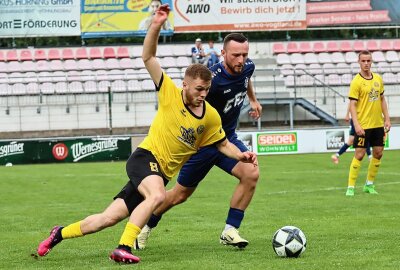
(239, 15)
(106, 18)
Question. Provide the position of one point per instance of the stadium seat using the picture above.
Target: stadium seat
(396, 45)
(53, 54)
(334, 79)
(168, 62)
(67, 54)
(70, 64)
(143, 74)
(319, 47)
(315, 69)
(304, 80)
(137, 51)
(99, 64)
(84, 64)
(118, 86)
(289, 81)
(73, 76)
(138, 63)
(126, 63)
(351, 57)
(116, 74)
(95, 53)
(25, 55)
(101, 75)
(130, 74)
(386, 45)
(90, 86)
(181, 50)
(18, 89)
(3, 67)
(332, 46)
(12, 55)
(75, 87)
(55, 65)
(112, 63)
(28, 66)
(324, 58)
(164, 51)
(337, 57)
(395, 67)
(30, 76)
(108, 52)
(329, 68)
(14, 66)
(5, 89)
(2, 56)
(42, 65)
(3, 78)
(47, 88)
(343, 68)
(134, 85)
(378, 56)
(40, 55)
(148, 85)
(61, 88)
(355, 67)
(292, 47)
(59, 76)
(287, 69)
(15, 77)
(391, 56)
(372, 45)
(389, 78)
(32, 88)
(123, 52)
(347, 78)
(383, 67)
(296, 58)
(183, 61)
(300, 69)
(310, 58)
(173, 72)
(359, 45)
(345, 46)
(88, 75)
(81, 53)
(278, 47)
(103, 86)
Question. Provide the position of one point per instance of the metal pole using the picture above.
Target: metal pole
(110, 109)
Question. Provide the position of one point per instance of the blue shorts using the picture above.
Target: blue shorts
(197, 167)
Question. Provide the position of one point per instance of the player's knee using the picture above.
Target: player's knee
(378, 155)
(157, 198)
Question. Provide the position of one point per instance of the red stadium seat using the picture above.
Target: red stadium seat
(345, 46)
(12, 55)
(372, 45)
(278, 48)
(67, 54)
(332, 46)
(396, 45)
(25, 55)
(319, 47)
(292, 47)
(54, 54)
(95, 53)
(386, 45)
(81, 53)
(108, 52)
(40, 55)
(359, 45)
(305, 47)
(123, 52)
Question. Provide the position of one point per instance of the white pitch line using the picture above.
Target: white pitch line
(323, 189)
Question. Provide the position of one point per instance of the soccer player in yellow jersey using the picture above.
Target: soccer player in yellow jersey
(184, 123)
(369, 112)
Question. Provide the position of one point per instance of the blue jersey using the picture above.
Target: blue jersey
(228, 92)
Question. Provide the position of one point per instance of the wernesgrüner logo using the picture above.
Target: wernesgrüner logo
(80, 150)
(13, 148)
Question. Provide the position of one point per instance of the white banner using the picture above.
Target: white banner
(239, 15)
(25, 18)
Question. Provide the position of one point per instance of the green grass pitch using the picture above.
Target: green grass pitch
(306, 191)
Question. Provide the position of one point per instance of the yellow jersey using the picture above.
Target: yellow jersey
(368, 94)
(176, 133)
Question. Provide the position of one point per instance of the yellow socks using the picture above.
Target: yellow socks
(71, 231)
(373, 169)
(129, 235)
(353, 173)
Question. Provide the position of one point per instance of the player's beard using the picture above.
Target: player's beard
(235, 69)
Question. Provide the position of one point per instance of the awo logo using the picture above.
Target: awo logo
(60, 151)
(277, 142)
(13, 148)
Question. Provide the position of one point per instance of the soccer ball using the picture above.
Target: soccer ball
(289, 241)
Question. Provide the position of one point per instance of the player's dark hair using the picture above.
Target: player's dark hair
(238, 37)
(364, 52)
(195, 71)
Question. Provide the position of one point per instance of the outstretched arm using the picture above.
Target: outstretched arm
(151, 41)
(230, 150)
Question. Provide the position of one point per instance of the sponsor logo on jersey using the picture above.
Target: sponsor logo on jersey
(373, 95)
(187, 136)
(80, 150)
(13, 148)
(60, 151)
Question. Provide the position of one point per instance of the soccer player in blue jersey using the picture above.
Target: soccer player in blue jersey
(184, 123)
(230, 85)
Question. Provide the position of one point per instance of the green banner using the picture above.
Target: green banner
(65, 150)
(277, 142)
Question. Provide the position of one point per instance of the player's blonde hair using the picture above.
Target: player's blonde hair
(195, 71)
